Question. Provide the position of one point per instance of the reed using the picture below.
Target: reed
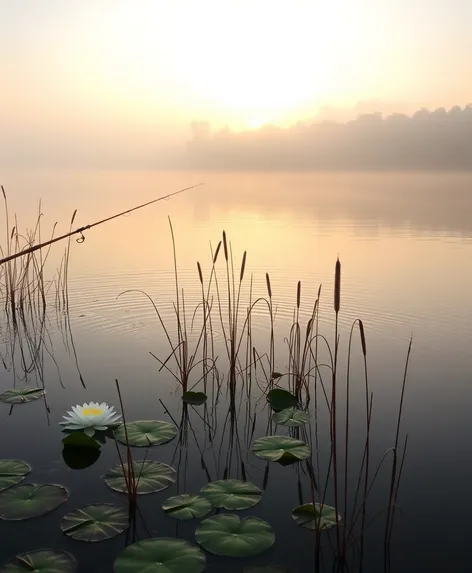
(131, 479)
(341, 471)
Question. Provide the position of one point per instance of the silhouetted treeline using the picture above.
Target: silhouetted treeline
(439, 139)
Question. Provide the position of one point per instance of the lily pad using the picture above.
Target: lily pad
(95, 522)
(41, 561)
(232, 494)
(317, 517)
(160, 555)
(194, 398)
(30, 500)
(151, 476)
(145, 433)
(12, 472)
(187, 506)
(21, 395)
(227, 535)
(291, 417)
(275, 448)
(280, 399)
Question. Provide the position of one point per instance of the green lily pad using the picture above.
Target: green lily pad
(21, 395)
(194, 398)
(160, 555)
(95, 522)
(275, 448)
(12, 472)
(291, 417)
(145, 433)
(227, 535)
(30, 500)
(280, 399)
(41, 561)
(151, 476)
(187, 506)
(232, 494)
(315, 517)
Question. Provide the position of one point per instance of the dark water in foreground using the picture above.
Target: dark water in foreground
(405, 253)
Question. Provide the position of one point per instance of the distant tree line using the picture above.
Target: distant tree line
(440, 139)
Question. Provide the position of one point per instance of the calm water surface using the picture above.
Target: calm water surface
(405, 243)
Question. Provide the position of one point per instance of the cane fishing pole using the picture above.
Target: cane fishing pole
(87, 227)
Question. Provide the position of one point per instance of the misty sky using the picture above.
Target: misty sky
(118, 82)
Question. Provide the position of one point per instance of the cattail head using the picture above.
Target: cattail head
(269, 289)
(200, 272)
(337, 287)
(215, 256)
(308, 328)
(225, 246)
(243, 266)
(361, 330)
(299, 292)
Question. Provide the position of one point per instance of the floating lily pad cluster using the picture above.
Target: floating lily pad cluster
(225, 534)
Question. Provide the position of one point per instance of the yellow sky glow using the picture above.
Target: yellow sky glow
(127, 71)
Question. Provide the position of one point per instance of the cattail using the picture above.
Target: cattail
(308, 328)
(361, 330)
(216, 252)
(243, 266)
(299, 292)
(269, 289)
(200, 272)
(73, 217)
(225, 246)
(337, 287)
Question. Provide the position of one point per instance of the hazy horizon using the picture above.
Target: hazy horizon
(119, 84)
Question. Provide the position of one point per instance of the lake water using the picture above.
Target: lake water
(405, 245)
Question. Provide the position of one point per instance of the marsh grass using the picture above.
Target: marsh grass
(339, 472)
(131, 479)
(27, 295)
(212, 348)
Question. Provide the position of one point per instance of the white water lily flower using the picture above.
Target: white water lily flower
(91, 417)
